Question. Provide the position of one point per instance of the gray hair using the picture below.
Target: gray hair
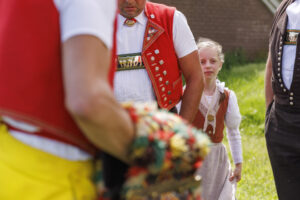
(206, 42)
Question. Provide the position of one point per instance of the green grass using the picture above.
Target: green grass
(257, 179)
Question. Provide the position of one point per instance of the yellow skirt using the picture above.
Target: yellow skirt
(30, 174)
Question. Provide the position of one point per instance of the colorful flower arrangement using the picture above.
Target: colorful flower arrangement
(164, 156)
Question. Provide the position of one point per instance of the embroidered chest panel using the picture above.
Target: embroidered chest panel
(130, 62)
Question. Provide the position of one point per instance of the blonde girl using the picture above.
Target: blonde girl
(218, 107)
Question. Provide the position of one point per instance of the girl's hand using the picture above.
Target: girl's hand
(237, 173)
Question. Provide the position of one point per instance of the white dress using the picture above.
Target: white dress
(215, 173)
(215, 170)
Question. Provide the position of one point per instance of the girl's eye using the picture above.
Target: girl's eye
(213, 61)
(202, 61)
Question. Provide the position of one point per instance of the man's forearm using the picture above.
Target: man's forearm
(192, 72)
(191, 99)
(89, 97)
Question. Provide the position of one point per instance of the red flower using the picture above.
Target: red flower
(198, 164)
(134, 171)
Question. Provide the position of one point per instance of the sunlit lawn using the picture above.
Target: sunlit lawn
(257, 180)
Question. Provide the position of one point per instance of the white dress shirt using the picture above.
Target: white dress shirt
(135, 85)
(289, 51)
(89, 17)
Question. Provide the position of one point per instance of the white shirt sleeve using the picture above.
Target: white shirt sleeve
(183, 38)
(178, 106)
(91, 17)
(232, 121)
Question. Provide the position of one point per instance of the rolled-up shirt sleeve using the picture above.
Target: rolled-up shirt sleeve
(87, 17)
(183, 38)
(232, 121)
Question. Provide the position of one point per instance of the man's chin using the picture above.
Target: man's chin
(128, 15)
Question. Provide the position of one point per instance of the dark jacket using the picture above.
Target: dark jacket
(283, 95)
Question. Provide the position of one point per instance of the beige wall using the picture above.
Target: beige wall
(234, 23)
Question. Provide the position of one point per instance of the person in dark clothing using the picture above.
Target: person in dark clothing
(282, 91)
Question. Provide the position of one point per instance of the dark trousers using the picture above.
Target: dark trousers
(283, 142)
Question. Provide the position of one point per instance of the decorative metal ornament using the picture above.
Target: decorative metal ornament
(291, 37)
(130, 22)
(210, 118)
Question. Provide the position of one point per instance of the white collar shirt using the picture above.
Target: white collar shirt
(289, 51)
(135, 85)
(127, 39)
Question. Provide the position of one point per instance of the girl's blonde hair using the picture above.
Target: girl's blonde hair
(206, 42)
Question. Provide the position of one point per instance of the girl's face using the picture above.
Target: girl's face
(210, 62)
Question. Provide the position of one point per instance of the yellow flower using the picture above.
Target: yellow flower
(178, 146)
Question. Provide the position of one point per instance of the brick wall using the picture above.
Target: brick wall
(233, 23)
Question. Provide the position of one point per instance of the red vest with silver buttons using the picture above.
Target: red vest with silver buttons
(159, 55)
(31, 82)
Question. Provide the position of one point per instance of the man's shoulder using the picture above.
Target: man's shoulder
(283, 5)
(160, 13)
(159, 7)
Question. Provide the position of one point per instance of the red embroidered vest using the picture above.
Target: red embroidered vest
(220, 117)
(159, 55)
(31, 83)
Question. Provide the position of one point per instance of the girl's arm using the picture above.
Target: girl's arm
(232, 121)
